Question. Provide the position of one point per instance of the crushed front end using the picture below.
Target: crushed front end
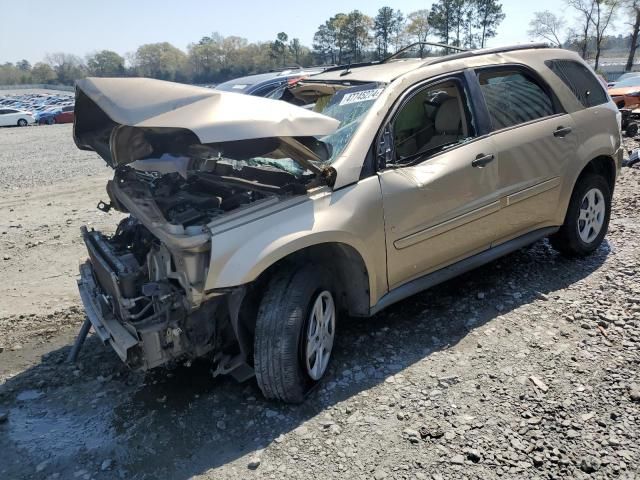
(184, 157)
(147, 322)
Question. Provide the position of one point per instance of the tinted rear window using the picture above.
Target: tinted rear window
(582, 82)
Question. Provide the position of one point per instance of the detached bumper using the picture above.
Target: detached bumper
(104, 322)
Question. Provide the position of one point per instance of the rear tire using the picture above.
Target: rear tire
(22, 122)
(587, 218)
(295, 330)
(51, 121)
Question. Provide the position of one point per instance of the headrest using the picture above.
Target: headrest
(448, 117)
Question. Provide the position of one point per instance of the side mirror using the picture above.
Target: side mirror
(385, 151)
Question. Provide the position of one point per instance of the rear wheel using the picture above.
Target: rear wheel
(51, 121)
(295, 332)
(587, 218)
(22, 122)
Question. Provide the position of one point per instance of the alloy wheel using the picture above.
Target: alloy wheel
(320, 334)
(592, 215)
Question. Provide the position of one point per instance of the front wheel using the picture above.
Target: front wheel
(295, 332)
(587, 218)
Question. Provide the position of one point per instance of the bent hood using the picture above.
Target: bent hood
(105, 107)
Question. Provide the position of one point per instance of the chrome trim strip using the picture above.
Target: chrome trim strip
(533, 191)
(447, 225)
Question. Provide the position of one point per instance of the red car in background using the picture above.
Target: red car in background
(65, 116)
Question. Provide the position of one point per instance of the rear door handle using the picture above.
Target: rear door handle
(562, 132)
(482, 160)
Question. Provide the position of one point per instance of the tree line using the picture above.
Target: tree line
(344, 38)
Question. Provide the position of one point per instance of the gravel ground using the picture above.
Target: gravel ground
(524, 368)
(43, 155)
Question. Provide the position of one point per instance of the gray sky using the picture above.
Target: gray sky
(32, 28)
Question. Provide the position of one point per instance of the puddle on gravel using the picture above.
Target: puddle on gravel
(57, 430)
(29, 395)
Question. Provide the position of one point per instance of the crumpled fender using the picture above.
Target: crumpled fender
(351, 216)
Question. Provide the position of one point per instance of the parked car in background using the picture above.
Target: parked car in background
(622, 78)
(626, 93)
(253, 224)
(11, 117)
(263, 84)
(43, 106)
(47, 117)
(65, 115)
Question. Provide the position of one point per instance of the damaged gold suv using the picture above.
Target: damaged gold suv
(254, 224)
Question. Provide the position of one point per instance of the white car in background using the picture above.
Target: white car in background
(10, 117)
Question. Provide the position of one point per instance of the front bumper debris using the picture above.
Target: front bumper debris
(103, 321)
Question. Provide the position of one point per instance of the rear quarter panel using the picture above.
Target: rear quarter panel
(596, 128)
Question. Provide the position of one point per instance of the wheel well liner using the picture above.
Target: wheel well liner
(343, 262)
(602, 165)
(346, 266)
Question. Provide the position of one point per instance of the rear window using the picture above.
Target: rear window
(580, 80)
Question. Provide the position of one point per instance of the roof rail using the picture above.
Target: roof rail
(430, 44)
(349, 66)
(486, 51)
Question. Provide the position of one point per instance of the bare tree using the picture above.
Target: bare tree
(548, 26)
(604, 12)
(586, 10)
(634, 7)
(418, 28)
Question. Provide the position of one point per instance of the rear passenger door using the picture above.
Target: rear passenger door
(534, 140)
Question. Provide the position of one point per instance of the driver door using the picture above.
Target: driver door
(439, 187)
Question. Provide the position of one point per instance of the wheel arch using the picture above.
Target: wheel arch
(344, 262)
(603, 165)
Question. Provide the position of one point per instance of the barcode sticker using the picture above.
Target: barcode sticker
(362, 96)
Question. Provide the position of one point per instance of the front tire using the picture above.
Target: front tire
(587, 218)
(295, 331)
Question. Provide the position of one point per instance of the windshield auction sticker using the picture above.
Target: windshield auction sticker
(362, 96)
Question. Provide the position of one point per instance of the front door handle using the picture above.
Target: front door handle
(562, 132)
(482, 160)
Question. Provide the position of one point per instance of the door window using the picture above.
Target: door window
(513, 97)
(433, 119)
(582, 82)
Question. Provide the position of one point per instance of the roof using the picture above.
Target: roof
(377, 72)
(387, 71)
(254, 80)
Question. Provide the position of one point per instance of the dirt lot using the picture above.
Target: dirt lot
(525, 368)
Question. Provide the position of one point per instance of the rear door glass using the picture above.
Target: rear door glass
(513, 97)
(582, 82)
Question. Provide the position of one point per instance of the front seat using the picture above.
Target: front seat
(448, 125)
